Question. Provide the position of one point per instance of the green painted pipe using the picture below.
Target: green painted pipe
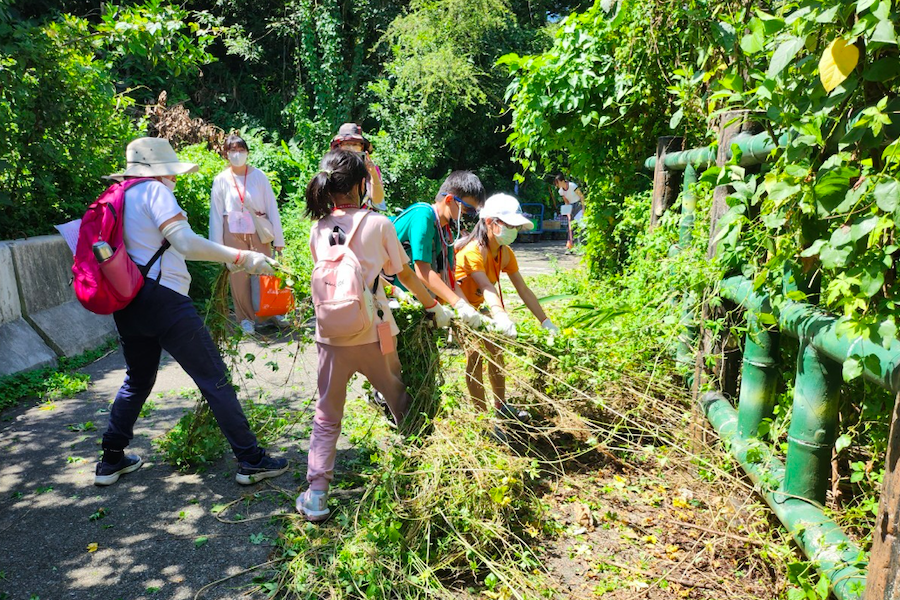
(759, 377)
(684, 353)
(814, 419)
(835, 555)
(688, 207)
(755, 149)
(819, 328)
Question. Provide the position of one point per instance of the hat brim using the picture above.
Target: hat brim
(517, 220)
(338, 140)
(156, 170)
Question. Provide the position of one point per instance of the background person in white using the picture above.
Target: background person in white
(162, 317)
(236, 191)
(573, 197)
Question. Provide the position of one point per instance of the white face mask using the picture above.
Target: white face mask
(169, 183)
(238, 158)
(507, 235)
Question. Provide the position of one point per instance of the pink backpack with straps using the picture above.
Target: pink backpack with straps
(344, 304)
(108, 286)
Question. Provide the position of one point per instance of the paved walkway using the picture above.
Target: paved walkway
(143, 538)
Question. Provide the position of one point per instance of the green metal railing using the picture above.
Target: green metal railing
(796, 489)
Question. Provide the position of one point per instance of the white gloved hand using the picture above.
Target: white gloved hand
(550, 327)
(442, 315)
(504, 325)
(234, 268)
(467, 314)
(256, 263)
(401, 295)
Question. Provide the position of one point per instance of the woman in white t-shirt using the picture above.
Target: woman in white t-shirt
(573, 198)
(237, 191)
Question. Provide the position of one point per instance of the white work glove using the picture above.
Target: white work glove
(256, 263)
(467, 314)
(442, 315)
(402, 296)
(550, 327)
(504, 325)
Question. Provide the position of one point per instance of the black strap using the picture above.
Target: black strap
(146, 268)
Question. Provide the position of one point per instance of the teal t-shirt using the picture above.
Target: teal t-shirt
(417, 228)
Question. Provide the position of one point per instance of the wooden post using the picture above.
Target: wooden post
(666, 182)
(883, 579)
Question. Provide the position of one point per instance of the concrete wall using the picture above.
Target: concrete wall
(21, 348)
(38, 304)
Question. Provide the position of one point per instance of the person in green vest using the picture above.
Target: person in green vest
(428, 231)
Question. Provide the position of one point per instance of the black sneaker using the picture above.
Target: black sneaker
(107, 474)
(267, 467)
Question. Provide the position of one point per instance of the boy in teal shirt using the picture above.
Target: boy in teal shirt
(426, 234)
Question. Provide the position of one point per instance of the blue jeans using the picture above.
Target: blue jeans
(160, 319)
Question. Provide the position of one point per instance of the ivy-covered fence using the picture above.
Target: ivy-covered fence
(828, 353)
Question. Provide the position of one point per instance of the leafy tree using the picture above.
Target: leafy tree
(62, 125)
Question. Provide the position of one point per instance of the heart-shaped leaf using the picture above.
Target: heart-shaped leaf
(837, 62)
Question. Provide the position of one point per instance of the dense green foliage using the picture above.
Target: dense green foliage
(419, 76)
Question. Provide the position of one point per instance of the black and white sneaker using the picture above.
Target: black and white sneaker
(267, 467)
(377, 398)
(108, 474)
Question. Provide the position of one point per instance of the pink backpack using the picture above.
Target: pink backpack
(343, 302)
(108, 286)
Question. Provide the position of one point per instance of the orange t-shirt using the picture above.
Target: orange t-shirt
(473, 257)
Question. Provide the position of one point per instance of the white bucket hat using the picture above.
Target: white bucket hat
(507, 209)
(152, 157)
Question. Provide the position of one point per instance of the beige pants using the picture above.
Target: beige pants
(240, 282)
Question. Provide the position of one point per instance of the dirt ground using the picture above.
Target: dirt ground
(657, 532)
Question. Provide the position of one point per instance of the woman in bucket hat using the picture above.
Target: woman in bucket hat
(350, 137)
(162, 316)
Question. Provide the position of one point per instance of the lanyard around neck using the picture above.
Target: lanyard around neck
(499, 262)
(444, 232)
(237, 189)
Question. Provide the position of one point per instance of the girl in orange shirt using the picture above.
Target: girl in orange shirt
(485, 253)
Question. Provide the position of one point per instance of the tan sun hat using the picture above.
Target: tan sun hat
(152, 157)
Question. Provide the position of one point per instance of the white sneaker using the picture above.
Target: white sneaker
(313, 504)
(248, 327)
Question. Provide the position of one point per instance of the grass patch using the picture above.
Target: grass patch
(51, 383)
(196, 439)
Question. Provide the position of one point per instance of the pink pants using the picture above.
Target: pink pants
(337, 364)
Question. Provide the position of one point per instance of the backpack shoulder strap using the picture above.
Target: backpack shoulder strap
(355, 227)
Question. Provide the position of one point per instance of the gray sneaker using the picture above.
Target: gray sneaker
(313, 504)
(107, 474)
(508, 412)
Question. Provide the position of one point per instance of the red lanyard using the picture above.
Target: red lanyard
(499, 290)
(444, 233)
(237, 189)
(343, 207)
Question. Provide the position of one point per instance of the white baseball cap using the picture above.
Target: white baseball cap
(505, 208)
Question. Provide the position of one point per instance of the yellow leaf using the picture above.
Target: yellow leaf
(680, 503)
(650, 539)
(92, 547)
(837, 62)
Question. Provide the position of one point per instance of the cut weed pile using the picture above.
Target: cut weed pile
(597, 494)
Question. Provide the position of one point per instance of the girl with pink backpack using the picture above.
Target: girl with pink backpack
(355, 332)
